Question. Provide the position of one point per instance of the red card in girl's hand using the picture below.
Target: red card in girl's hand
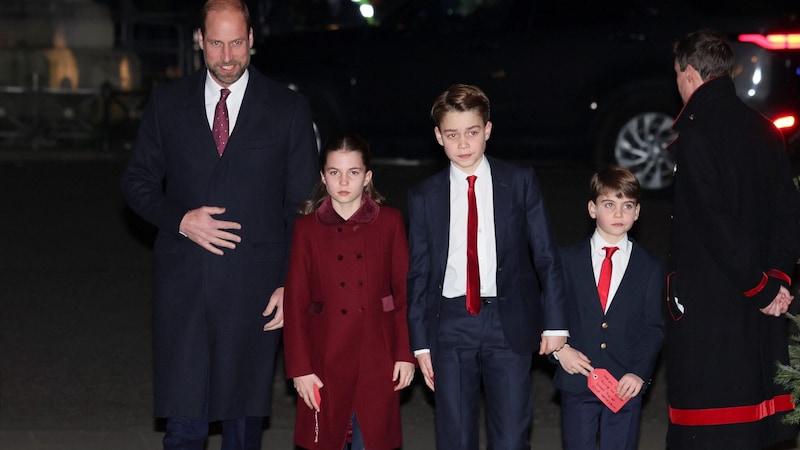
(317, 396)
(604, 386)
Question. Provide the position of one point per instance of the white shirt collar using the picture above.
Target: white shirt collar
(597, 243)
(483, 171)
(213, 88)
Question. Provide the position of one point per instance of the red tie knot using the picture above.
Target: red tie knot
(224, 92)
(471, 180)
(610, 251)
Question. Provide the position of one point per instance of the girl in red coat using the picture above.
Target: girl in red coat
(346, 334)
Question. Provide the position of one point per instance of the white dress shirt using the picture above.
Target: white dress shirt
(233, 102)
(455, 274)
(619, 261)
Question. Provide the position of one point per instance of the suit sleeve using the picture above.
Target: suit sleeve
(546, 257)
(418, 267)
(399, 271)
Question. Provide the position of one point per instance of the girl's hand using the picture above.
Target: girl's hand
(403, 374)
(305, 389)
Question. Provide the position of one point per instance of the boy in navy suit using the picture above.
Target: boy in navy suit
(614, 301)
(484, 281)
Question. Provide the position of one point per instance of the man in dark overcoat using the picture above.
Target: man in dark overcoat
(735, 241)
(221, 175)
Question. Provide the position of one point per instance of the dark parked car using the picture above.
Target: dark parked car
(587, 79)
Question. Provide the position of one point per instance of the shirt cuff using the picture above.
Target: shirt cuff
(555, 333)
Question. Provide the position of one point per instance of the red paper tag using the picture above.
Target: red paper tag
(317, 396)
(604, 386)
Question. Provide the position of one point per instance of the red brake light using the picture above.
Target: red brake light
(784, 122)
(773, 41)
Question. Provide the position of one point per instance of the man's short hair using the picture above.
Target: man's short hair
(707, 51)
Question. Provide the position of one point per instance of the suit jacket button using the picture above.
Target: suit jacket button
(603, 345)
(604, 325)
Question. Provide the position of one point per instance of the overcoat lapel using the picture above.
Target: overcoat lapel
(195, 113)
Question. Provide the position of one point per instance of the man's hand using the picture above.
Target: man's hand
(574, 361)
(275, 304)
(426, 367)
(780, 304)
(208, 232)
(403, 374)
(629, 386)
(550, 344)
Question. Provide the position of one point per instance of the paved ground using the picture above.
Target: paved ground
(75, 356)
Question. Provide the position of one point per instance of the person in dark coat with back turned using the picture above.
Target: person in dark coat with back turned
(735, 239)
(223, 188)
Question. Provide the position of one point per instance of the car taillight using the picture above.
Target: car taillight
(784, 122)
(789, 41)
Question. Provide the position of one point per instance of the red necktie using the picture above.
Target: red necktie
(220, 129)
(605, 276)
(473, 274)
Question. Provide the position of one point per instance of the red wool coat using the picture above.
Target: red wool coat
(345, 321)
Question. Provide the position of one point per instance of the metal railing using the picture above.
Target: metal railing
(37, 117)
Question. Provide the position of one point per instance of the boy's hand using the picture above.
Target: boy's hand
(573, 361)
(629, 386)
(426, 367)
(550, 344)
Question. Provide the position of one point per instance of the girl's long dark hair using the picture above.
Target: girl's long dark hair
(349, 142)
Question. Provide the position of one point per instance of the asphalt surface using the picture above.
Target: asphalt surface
(75, 310)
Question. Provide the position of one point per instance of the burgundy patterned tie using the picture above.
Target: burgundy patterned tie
(473, 273)
(220, 129)
(604, 283)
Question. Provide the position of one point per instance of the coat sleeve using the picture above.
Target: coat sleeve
(301, 168)
(724, 234)
(297, 295)
(399, 271)
(142, 180)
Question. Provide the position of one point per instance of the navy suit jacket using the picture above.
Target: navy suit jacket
(628, 338)
(530, 288)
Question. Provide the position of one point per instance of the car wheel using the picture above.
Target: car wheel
(637, 139)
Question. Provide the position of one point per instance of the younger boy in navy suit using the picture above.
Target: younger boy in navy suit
(615, 322)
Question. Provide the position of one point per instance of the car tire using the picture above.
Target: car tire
(636, 135)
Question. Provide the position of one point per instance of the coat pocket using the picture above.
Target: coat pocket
(315, 308)
(388, 303)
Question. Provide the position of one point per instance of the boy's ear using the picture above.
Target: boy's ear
(438, 136)
(592, 207)
(487, 129)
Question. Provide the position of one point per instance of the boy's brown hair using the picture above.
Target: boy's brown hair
(460, 97)
(617, 180)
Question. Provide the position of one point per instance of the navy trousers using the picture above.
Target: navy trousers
(471, 350)
(191, 434)
(585, 421)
